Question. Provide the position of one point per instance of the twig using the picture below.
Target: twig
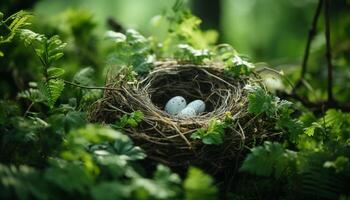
(328, 51)
(312, 33)
(88, 87)
(316, 107)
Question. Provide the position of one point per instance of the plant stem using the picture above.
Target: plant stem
(88, 87)
(328, 51)
(312, 33)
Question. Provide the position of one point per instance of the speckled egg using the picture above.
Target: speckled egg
(175, 105)
(197, 105)
(187, 112)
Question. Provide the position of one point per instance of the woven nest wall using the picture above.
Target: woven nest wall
(165, 138)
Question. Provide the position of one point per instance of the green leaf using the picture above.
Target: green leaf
(55, 72)
(70, 177)
(259, 101)
(213, 134)
(199, 185)
(33, 95)
(84, 76)
(271, 159)
(110, 191)
(131, 120)
(164, 185)
(12, 25)
(29, 37)
(52, 89)
(188, 54)
(131, 50)
(124, 146)
(236, 66)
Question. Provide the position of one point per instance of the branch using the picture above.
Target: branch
(312, 33)
(328, 51)
(316, 107)
(88, 87)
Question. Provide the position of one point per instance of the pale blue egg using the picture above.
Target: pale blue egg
(175, 105)
(187, 112)
(197, 105)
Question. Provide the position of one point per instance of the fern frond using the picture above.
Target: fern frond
(52, 89)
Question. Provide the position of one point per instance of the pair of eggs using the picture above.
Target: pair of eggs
(177, 106)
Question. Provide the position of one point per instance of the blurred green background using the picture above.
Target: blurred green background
(268, 31)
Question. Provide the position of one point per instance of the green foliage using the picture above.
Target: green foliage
(131, 120)
(12, 25)
(213, 134)
(48, 50)
(186, 53)
(55, 154)
(334, 124)
(131, 49)
(236, 66)
(261, 102)
(271, 159)
(199, 185)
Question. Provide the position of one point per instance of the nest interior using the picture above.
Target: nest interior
(166, 138)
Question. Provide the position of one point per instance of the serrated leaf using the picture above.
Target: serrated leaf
(259, 101)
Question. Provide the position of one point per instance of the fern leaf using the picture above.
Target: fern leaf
(52, 89)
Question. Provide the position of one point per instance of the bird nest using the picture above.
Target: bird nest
(167, 139)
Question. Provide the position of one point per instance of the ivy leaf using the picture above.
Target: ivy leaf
(199, 185)
(271, 159)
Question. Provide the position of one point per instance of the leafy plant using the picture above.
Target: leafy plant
(131, 120)
(48, 50)
(187, 53)
(213, 134)
(236, 66)
(131, 49)
(12, 25)
(271, 159)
